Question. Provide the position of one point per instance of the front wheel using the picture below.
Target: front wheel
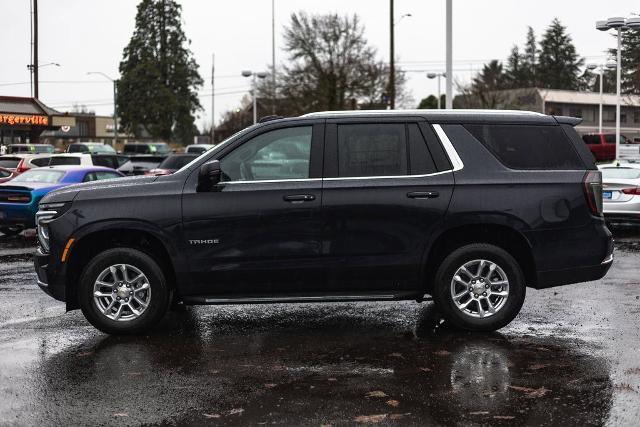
(123, 291)
(479, 287)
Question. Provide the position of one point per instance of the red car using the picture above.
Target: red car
(6, 175)
(603, 145)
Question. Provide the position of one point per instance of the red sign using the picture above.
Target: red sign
(19, 119)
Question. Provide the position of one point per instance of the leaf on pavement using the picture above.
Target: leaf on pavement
(235, 411)
(209, 416)
(370, 419)
(531, 393)
(504, 417)
(392, 402)
(442, 353)
(120, 414)
(376, 393)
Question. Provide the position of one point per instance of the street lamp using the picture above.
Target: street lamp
(33, 68)
(618, 23)
(601, 68)
(433, 76)
(449, 55)
(115, 102)
(260, 75)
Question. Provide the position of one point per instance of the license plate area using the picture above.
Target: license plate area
(608, 195)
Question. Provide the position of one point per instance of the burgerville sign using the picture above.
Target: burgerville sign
(21, 119)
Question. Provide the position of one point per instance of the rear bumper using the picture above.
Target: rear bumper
(18, 214)
(548, 279)
(48, 282)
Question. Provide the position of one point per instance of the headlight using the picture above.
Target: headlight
(47, 213)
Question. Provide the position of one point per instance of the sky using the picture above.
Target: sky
(89, 35)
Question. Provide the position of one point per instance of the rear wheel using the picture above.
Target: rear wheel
(479, 287)
(123, 291)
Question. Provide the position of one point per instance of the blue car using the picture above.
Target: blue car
(19, 197)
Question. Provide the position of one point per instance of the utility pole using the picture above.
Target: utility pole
(449, 60)
(213, 99)
(392, 66)
(273, 56)
(36, 91)
(115, 112)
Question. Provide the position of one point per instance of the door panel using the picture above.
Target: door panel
(256, 233)
(376, 228)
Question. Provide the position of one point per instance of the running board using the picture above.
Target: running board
(271, 299)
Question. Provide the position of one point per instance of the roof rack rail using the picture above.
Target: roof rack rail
(269, 118)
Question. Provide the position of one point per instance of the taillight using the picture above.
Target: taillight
(21, 167)
(593, 191)
(633, 191)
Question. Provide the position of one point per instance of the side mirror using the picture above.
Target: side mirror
(209, 175)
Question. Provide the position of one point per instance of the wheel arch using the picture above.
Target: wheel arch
(497, 233)
(95, 238)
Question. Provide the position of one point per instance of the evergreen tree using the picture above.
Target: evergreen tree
(486, 86)
(558, 63)
(530, 60)
(158, 88)
(516, 74)
(630, 78)
(431, 102)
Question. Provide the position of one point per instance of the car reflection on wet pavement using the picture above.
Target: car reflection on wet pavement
(570, 357)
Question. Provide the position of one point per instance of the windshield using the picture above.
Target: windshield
(100, 148)
(40, 175)
(621, 173)
(176, 162)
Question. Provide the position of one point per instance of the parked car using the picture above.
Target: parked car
(90, 147)
(470, 207)
(6, 174)
(29, 148)
(621, 192)
(113, 161)
(198, 148)
(23, 162)
(19, 197)
(154, 148)
(172, 164)
(603, 145)
(140, 165)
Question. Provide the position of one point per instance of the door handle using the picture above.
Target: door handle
(423, 194)
(299, 198)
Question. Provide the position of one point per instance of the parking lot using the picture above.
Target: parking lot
(571, 357)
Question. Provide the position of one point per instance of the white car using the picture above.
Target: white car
(22, 162)
(113, 161)
(198, 148)
(621, 192)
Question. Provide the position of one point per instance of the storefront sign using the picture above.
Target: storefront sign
(19, 119)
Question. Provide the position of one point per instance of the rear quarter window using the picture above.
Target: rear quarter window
(528, 146)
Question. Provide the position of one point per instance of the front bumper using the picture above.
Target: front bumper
(48, 282)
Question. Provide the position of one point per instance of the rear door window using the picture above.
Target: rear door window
(372, 150)
(528, 146)
(421, 161)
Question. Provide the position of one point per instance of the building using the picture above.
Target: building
(577, 104)
(24, 120)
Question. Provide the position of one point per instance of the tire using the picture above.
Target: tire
(120, 318)
(480, 294)
(11, 231)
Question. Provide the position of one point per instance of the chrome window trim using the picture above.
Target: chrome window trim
(452, 154)
(455, 159)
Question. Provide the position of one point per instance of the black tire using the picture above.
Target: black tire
(160, 295)
(459, 257)
(11, 231)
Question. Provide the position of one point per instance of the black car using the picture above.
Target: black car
(466, 207)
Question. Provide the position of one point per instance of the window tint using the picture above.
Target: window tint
(77, 148)
(102, 160)
(278, 154)
(528, 147)
(372, 150)
(56, 161)
(10, 163)
(591, 139)
(42, 161)
(421, 160)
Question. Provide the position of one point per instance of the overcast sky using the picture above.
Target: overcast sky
(89, 35)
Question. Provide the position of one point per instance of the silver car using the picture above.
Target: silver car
(621, 192)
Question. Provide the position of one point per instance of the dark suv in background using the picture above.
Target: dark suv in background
(469, 207)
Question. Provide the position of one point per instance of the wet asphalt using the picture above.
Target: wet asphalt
(570, 358)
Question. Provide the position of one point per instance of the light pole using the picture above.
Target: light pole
(601, 68)
(115, 102)
(433, 76)
(260, 75)
(619, 24)
(449, 59)
(33, 68)
(392, 59)
(273, 56)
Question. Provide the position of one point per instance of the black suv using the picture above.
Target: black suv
(469, 207)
